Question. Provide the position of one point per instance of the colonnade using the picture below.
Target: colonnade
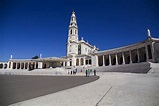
(127, 56)
(23, 65)
(3, 65)
(81, 61)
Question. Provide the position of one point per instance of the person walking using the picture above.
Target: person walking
(94, 72)
(89, 72)
(86, 72)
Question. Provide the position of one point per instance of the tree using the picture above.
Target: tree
(35, 57)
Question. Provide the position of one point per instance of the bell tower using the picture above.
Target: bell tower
(72, 42)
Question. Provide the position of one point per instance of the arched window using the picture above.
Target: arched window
(71, 31)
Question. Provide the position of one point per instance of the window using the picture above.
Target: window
(71, 31)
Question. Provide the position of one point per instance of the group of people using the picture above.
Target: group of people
(88, 71)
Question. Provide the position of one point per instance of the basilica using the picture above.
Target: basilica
(82, 54)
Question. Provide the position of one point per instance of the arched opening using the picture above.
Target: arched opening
(1, 66)
(86, 62)
(18, 65)
(22, 66)
(5, 66)
(90, 62)
(70, 62)
(14, 65)
(71, 31)
(26, 65)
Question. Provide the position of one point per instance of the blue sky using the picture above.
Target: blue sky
(31, 27)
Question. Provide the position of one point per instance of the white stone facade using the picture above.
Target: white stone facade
(81, 53)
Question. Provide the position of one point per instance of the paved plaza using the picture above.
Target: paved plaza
(111, 89)
(15, 88)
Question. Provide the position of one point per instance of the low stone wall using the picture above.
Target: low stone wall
(132, 68)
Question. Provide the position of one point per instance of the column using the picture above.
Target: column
(123, 57)
(28, 65)
(116, 57)
(20, 65)
(138, 55)
(84, 61)
(153, 52)
(24, 65)
(79, 60)
(63, 63)
(11, 65)
(130, 56)
(96, 61)
(146, 51)
(103, 61)
(35, 66)
(16, 66)
(110, 61)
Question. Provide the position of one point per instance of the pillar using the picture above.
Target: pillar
(11, 65)
(153, 52)
(64, 63)
(110, 61)
(103, 61)
(116, 57)
(138, 55)
(79, 61)
(35, 66)
(16, 65)
(96, 60)
(130, 56)
(84, 61)
(123, 57)
(146, 51)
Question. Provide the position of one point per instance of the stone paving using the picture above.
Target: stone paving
(111, 89)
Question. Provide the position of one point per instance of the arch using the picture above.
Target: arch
(18, 65)
(26, 65)
(90, 61)
(71, 31)
(70, 63)
(1, 66)
(14, 65)
(22, 66)
(87, 62)
(5, 66)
